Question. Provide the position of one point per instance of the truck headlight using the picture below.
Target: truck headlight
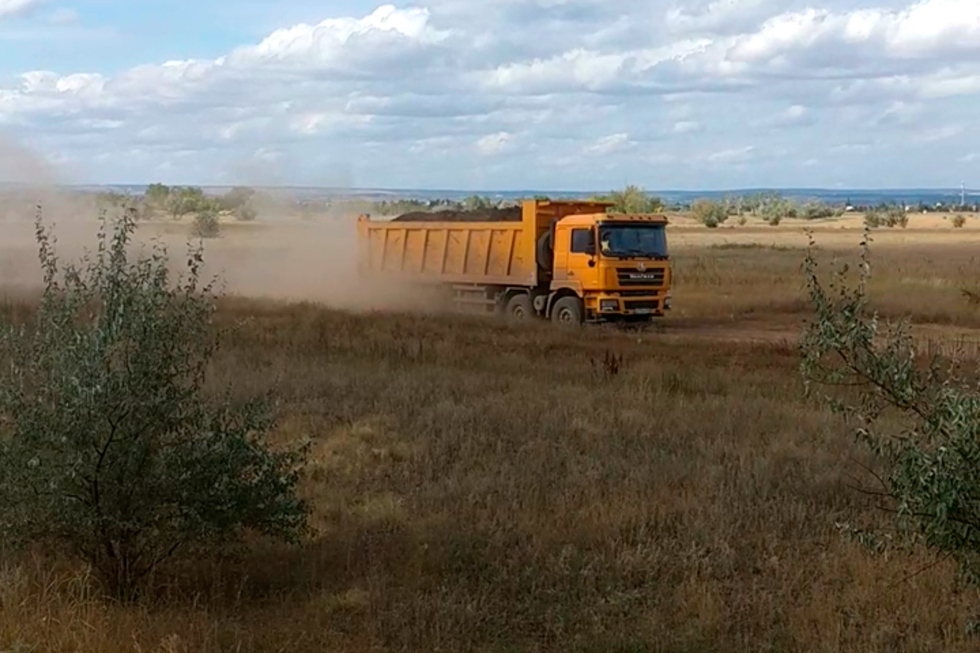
(667, 302)
(609, 305)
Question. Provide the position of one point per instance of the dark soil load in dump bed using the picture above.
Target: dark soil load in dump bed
(512, 214)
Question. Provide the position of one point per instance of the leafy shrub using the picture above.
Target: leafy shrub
(633, 199)
(236, 198)
(183, 201)
(818, 211)
(773, 208)
(477, 203)
(157, 195)
(892, 216)
(919, 421)
(742, 220)
(246, 213)
(872, 220)
(109, 450)
(709, 213)
(206, 225)
(959, 221)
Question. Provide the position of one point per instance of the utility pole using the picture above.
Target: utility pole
(963, 194)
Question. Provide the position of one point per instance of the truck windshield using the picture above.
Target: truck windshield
(629, 241)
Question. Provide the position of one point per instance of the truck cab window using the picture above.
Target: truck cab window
(583, 241)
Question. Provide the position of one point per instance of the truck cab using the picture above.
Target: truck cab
(617, 266)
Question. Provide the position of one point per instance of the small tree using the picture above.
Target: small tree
(109, 449)
(246, 213)
(182, 201)
(236, 198)
(633, 199)
(709, 213)
(887, 216)
(157, 195)
(773, 208)
(477, 203)
(921, 421)
(206, 225)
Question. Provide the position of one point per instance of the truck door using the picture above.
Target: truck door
(575, 257)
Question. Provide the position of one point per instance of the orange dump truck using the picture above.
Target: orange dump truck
(567, 261)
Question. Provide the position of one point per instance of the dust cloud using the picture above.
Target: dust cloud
(312, 262)
(28, 181)
(286, 254)
(292, 255)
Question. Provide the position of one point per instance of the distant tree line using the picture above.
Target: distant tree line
(179, 201)
(770, 206)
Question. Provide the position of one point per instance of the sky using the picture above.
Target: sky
(494, 94)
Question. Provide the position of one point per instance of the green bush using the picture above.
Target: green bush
(818, 211)
(709, 213)
(918, 419)
(892, 216)
(246, 213)
(157, 195)
(633, 199)
(109, 450)
(773, 208)
(206, 225)
(236, 198)
(183, 201)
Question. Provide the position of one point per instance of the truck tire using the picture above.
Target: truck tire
(519, 308)
(545, 254)
(568, 311)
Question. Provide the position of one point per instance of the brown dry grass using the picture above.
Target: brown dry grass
(480, 487)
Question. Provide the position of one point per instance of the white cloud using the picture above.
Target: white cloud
(686, 126)
(733, 155)
(795, 112)
(494, 144)
(796, 115)
(16, 7)
(936, 134)
(720, 16)
(612, 143)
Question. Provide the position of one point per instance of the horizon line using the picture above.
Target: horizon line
(353, 189)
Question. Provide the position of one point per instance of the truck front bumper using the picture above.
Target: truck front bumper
(611, 306)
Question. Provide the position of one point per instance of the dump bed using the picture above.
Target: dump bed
(453, 248)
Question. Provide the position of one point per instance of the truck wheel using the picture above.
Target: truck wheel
(567, 311)
(519, 308)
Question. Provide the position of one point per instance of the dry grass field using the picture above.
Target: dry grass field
(484, 487)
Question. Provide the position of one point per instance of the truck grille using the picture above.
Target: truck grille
(633, 277)
(642, 304)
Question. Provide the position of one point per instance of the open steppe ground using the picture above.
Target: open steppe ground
(485, 487)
